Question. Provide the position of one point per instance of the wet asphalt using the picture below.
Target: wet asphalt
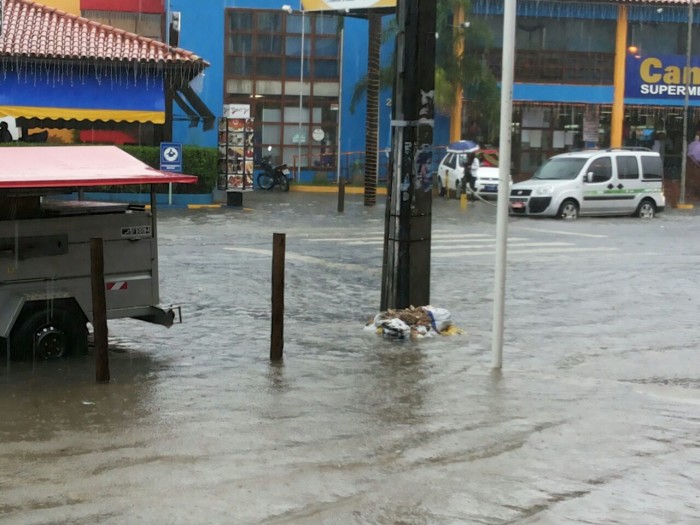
(594, 418)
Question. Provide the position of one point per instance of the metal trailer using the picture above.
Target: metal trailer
(45, 264)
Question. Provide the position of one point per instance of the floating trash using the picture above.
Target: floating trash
(413, 323)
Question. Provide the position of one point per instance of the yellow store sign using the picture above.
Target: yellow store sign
(342, 5)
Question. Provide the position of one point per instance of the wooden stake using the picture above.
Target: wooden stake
(279, 241)
(99, 310)
(341, 194)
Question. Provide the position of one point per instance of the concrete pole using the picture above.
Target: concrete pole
(618, 109)
(504, 149)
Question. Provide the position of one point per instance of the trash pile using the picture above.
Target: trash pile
(413, 323)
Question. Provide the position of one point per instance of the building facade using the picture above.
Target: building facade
(565, 78)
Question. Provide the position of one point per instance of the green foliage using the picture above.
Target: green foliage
(197, 161)
(452, 71)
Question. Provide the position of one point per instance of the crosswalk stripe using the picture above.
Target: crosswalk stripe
(541, 251)
(514, 246)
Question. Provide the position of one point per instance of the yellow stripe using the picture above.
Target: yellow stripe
(332, 189)
(156, 117)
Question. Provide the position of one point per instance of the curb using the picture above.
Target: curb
(332, 189)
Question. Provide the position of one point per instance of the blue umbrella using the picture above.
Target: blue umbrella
(464, 146)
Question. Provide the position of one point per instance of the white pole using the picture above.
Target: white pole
(340, 106)
(684, 149)
(301, 88)
(504, 150)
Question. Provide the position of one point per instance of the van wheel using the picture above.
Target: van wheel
(458, 189)
(646, 209)
(48, 334)
(568, 210)
(441, 188)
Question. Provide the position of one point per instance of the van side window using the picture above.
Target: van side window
(601, 169)
(652, 168)
(627, 167)
(450, 162)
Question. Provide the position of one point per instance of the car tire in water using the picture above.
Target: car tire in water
(265, 181)
(441, 188)
(568, 210)
(48, 332)
(646, 209)
(458, 189)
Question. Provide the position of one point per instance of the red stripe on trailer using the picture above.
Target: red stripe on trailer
(117, 285)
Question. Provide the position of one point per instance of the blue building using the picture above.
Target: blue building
(254, 48)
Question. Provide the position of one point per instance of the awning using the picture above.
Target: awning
(77, 166)
(194, 107)
(109, 94)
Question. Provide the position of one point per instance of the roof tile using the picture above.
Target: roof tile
(34, 30)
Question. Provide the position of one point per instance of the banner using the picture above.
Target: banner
(342, 5)
(663, 78)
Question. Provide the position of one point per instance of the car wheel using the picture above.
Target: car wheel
(441, 187)
(568, 210)
(646, 209)
(458, 189)
(48, 333)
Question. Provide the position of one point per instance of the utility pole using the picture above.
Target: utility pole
(406, 266)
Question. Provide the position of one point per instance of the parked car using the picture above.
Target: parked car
(451, 171)
(616, 181)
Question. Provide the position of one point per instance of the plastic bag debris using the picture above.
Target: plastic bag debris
(416, 323)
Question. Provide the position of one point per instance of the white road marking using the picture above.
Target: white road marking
(513, 246)
(559, 232)
(291, 256)
(553, 251)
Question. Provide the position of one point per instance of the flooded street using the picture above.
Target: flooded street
(595, 418)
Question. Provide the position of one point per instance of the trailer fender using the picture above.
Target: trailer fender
(161, 316)
(10, 306)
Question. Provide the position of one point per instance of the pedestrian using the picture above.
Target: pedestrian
(5, 135)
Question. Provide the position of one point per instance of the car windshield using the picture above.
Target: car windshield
(560, 169)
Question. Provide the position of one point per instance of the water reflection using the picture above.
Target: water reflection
(44, 399)
(396, 383)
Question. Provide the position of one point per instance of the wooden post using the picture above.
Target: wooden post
(279, 241)
(99, 310)
(341, 194)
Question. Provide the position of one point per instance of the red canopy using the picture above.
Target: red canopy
(77, 166)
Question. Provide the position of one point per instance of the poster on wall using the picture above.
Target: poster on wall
(235, 160)
(590, 125)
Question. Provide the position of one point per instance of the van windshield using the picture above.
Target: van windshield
(560, 169)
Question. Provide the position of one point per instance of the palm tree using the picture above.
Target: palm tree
(460, 71)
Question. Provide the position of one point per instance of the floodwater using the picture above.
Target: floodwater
(595, 417)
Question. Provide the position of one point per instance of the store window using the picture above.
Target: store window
(287, 68)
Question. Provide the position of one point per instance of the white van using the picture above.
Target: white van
(616, 181)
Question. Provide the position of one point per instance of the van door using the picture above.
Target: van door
(597, 187)
(627, 185)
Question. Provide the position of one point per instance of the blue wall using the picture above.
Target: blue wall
(202, 32)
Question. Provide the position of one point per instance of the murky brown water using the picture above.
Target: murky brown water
(594, 419)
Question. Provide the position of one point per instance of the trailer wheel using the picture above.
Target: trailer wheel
(48, 334)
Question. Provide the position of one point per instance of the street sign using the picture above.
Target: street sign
(171, 156)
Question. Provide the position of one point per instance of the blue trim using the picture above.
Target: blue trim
(660, 102)
(584, 10)
(178, 199)
(563, 93)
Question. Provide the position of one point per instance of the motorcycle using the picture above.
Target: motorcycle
(272, 176)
